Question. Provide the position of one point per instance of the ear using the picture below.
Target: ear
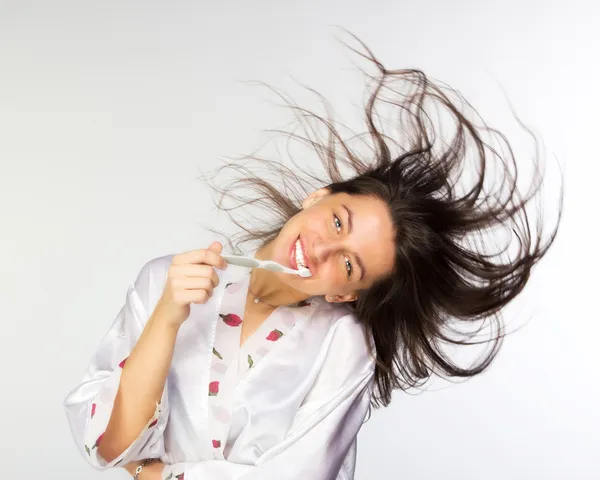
(346, 297)
(315, 197)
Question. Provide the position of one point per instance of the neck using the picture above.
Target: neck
(268, 287)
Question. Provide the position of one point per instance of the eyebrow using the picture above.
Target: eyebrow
(358, 260)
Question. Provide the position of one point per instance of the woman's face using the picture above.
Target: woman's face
(346, 241)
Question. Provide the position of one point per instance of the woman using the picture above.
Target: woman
(214, 372)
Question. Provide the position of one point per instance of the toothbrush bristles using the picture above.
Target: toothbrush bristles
(304, 272)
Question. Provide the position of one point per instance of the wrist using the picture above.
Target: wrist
(161, 319)
(164, 317)
(150, 469)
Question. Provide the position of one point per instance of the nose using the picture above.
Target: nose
(322, 249)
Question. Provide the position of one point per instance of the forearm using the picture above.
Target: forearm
(141, 385)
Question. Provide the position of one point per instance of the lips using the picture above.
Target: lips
(292, 255)
(293, 261)
(305, 254)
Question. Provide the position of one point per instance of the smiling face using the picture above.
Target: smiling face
(347, 242)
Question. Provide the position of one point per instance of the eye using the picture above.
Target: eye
(337, 222)
(349, 268)
(338, 226)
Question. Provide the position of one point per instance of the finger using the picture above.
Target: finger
(200, 256)
(194, 296)
(214, 278)
(218, 248)
(193, 283)
(193, 270)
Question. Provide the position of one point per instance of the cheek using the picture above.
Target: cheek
(319, 220)
(332, 274)
(330, 280)
(306, 222)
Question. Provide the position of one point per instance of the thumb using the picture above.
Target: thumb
(216, 247)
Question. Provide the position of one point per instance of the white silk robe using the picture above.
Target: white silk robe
(288, 404)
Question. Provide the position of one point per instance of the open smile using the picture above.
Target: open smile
(298, 255)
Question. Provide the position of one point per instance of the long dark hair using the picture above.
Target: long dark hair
(446, 288)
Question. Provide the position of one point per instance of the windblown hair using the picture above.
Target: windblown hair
(446, 287)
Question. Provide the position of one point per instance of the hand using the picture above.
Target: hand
(152, 471)
(191, 279)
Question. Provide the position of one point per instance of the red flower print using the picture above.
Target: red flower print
(93, 409)
(231, 319)
(213, 388)
(153, 423)
(216, 443)
(122, 364)
(275, 335)
(98, 441)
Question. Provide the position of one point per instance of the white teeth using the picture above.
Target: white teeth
(300, 255)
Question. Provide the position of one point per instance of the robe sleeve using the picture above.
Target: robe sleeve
(322, 437)
(89, 405)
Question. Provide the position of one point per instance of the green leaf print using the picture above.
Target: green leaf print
(217, 354)
(87, 450)
(170, 476)
(250, 362)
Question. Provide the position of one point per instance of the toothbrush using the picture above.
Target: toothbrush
(266, 264)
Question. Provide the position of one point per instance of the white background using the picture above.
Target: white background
(110, 110)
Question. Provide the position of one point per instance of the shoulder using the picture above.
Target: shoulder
(150, 281)
(339, 319)
(346, 337)
(345, 357)
(153, 271)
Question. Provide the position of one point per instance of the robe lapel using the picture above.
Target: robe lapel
(225, 354)
(270, 333)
